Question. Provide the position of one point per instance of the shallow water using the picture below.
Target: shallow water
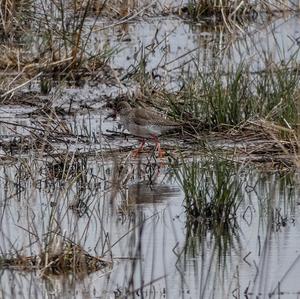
(147, 230)
(176, 49)
(136, 213)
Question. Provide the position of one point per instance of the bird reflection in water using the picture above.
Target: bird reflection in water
(141, 195)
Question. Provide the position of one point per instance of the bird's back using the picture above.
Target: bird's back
(145, 122)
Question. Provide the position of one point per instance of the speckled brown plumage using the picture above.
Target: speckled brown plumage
(144, 122)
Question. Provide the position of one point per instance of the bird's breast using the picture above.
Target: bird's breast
(144, 130)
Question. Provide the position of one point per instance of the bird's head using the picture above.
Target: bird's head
(123, 108)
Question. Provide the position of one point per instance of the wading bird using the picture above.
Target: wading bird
(145, 123)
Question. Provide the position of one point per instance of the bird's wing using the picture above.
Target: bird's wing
(143, 117)
(147, 117)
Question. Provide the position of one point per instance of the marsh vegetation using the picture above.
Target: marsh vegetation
(83, 216)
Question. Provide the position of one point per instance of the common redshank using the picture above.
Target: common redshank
(145, 123)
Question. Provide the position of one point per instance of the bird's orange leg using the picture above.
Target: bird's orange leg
(161, 153)
(136, 152)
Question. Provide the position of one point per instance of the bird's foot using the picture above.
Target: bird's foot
(161, 153)
(136, 152)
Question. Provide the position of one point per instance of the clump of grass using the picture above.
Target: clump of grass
(61, 34)
(220, 101)
(65, 258)
(24, 144)
(225, 237)
(232, 14)
(227, 12)
(212, 190)
(69, 168)
(277, 92)
(70, 258)
(13, 18)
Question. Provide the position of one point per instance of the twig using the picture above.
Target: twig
(22, 85)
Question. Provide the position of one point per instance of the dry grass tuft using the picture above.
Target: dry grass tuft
(62, 259)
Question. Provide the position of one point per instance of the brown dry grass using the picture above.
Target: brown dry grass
(70, 258)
